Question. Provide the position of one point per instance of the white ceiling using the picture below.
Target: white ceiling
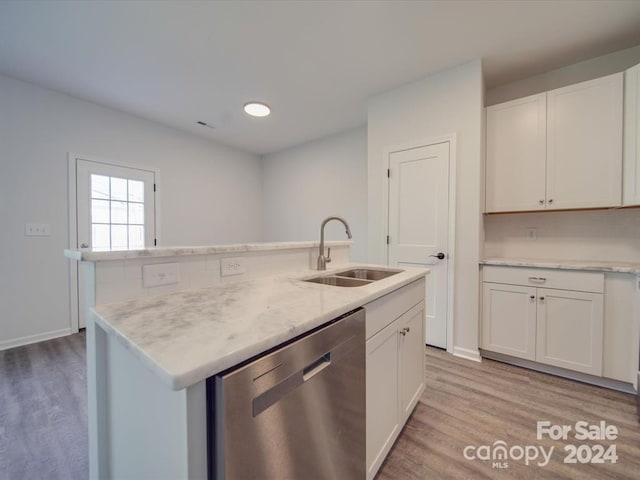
(315, 63)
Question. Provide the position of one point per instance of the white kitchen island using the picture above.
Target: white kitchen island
(149, 357)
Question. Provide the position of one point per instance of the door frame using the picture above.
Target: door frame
(451, 241)
(72, 200)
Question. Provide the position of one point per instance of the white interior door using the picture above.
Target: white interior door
(115, 208)
(419, 225)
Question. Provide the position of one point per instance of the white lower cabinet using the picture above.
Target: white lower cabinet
(559, 326)
(394, 366)
(569, 333)
(383, 402)
(411, 354)
(510, 319)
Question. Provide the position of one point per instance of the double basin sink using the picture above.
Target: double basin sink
(355, 277)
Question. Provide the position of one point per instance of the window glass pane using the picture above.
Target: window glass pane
(118, 212)
(118, 188)
(99, 211)
(118, 237)
(136, 213)
(99, 186)
(100, 237)
(136, 191)
(136, 237)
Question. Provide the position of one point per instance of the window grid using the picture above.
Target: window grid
(118, 235)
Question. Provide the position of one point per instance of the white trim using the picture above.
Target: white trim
(40, 337)
(452, 140)
(562, 372)
(72, 158)
(467, 353)
(452, 241)
(73, 244)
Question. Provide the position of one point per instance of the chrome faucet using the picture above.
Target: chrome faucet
(322, 260)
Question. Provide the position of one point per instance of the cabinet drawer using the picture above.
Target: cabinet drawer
(545, 277)
(386, 309)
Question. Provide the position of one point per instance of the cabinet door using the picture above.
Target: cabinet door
(509, 320)
(383, 422)
(631, 170)
(584, 144)
(411, 367)
(570, 330)
(516, 143)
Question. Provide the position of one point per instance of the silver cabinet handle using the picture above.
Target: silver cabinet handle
(84, 245)
(537, 279)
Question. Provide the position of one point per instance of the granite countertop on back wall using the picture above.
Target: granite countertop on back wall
(594, 265)
(190, 335)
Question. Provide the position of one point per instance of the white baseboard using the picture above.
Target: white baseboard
(467, 353)
(563, 372)
(19, 342)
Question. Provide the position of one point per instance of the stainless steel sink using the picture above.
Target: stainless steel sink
(339, 281)
(367, 273)
(355, 277)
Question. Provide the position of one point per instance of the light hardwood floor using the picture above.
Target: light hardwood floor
(468, 403)
(43, 426)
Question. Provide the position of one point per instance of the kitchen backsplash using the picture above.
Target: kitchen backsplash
(579, 235)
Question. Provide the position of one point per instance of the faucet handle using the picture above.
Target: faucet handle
(328, 259)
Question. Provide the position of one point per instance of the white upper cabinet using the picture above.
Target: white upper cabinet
(631, 190)
(560, 149)
(584, 144)
(516, 149)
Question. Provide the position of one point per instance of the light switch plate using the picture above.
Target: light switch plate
(37, 229)
(232, 266)
(160, 274)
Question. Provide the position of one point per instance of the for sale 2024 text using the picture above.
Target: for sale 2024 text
(580, 431)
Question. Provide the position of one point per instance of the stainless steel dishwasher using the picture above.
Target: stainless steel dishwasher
(295, 413)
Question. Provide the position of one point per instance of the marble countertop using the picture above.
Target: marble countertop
(601, 266)
(94, 256)
(187, 336)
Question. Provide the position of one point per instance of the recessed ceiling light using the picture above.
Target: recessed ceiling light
(257, 109)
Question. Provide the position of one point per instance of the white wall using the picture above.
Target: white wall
(590, 235)
(584, 235)
(305, 184)
(441, 104)
(561, 77)
(208, 194)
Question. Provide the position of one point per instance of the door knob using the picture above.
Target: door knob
(439, 256)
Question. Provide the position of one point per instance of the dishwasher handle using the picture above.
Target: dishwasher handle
(316, 367)
(275, 393)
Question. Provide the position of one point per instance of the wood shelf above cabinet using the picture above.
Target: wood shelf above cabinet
(623, 207)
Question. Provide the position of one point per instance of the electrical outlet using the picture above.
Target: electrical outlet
(232, 266)
(532, 234)
(37, 230)
(160, 274)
